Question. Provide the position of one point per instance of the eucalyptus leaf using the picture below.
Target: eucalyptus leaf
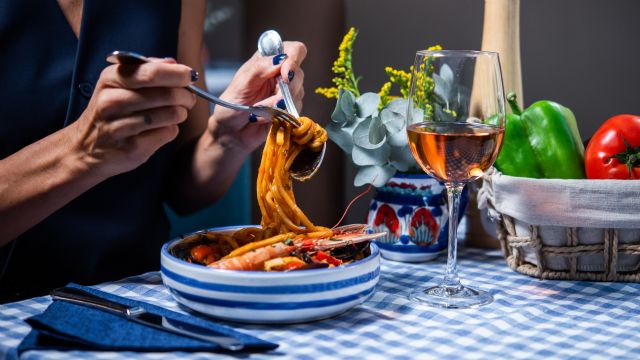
(339, 116)
(443, 88)
(398, 139)
(417, 114)
(377, 131)
(399, 165)
(361, 135)
(375, 175)
(347, 103)
(401, 158)
(367, 104)
(398, 106)
(342, 136)
(393, 121)
(446, 73)
(364, 157)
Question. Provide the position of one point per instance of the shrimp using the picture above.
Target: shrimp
(254, 259)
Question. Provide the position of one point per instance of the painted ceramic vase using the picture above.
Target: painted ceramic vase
(412, 209)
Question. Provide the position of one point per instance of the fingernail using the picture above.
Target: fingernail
(290, 75)
(194, 75)
(280, 104)
(279, 58)
(253, 118)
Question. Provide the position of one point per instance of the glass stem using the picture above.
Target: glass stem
(451, 280)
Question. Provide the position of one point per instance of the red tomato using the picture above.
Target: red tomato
(614, 150)
(205, 254)
(322, 256)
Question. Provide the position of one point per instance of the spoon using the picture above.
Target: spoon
(307, 163)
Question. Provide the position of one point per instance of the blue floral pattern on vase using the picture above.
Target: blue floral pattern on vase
(412, 209)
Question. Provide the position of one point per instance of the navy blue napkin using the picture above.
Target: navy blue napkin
(67, 326)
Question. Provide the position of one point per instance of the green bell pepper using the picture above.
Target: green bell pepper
(541, 142)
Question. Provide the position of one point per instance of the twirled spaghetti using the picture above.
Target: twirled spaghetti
(280, 214)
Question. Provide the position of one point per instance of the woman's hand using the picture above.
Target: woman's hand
(206, 170)
(135, 109)
(255, 84)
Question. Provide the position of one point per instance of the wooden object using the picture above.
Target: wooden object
(500, 33)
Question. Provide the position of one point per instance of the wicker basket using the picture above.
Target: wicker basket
(566, 229)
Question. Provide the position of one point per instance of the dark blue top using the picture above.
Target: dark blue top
(47, 77)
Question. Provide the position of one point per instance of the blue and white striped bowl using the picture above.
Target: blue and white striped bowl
(269, 297)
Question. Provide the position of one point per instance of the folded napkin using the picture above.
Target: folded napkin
(67, 326)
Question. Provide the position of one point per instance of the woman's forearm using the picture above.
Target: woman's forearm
(38, 180)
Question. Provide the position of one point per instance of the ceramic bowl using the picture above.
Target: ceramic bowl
(269, 297)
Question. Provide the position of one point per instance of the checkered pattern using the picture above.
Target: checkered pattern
(529, 319)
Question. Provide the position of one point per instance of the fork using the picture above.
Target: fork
(267, 112)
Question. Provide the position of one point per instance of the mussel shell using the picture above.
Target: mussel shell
(351, 252)
(182, 250)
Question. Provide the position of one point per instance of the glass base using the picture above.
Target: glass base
(459, 297)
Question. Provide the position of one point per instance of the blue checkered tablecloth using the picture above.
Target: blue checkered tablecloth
(529, 319)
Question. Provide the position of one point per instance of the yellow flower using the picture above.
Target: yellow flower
(344, 78)
(400, 78)
(385, 95)
(343, 68)
(329, 93)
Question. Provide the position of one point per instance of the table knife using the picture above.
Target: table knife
(140, 315)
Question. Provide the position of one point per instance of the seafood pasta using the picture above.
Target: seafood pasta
(287, 239)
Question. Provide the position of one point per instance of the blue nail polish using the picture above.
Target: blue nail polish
(280, 104)
(194, 75)
(279, 58)
(290, 75)
(253, 118)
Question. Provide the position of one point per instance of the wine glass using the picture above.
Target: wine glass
(455, 124)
